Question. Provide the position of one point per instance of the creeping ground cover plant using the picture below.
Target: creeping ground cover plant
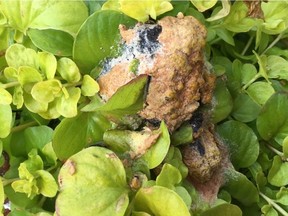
(66, 150)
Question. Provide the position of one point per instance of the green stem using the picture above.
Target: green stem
(8, 181)
(9, 85)
(23, 126)
(247, 45)
(276, 151)
(275, 205)
(273, 42)
(257, 76)
(66, 85)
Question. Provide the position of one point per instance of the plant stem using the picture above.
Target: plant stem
(72, 84)
(247, 45)
(258, 75)
(276, 151)
(23, 126)
(8, 181)
(275, 205)
(273, 42)
(9, 85)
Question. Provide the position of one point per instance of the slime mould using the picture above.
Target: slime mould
(170, 52)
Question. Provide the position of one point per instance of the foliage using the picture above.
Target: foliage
(62, 146)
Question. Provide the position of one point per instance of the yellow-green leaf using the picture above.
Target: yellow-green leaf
(47, 64)
(46, 91)
(89, 86)
(5, 97)
(68, 70)
(5, 120)
(203, 5)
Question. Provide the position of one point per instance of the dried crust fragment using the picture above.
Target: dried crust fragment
(171, 53)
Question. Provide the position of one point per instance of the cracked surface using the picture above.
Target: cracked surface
(174, 59)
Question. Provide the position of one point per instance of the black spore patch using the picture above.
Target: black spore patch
(200, 148)
(196, 121)
(154, 122)
(148, 38)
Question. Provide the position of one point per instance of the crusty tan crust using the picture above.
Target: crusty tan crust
(179, 79)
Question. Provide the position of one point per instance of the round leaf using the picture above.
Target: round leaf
(242, 142)
(57, 42)
(260, 91)
(28, 75)
(278, 172)
(169, 176)
(5, 120)
(46, 91)
(89, 86)
(245, 109)
(87, 128)
(5, 97)
(157, 200)
(17, 55)
(225, 209)
(241, 188)
(98, 38)
(67, 107)
(48, 64)
(156, 154)
(92, 182)
(68, 70)
(222, 102)
(272, 121)
(46, 183)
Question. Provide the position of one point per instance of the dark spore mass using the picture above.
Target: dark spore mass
(200, 148)
(149, 38)
(154, 122)
(196, 121)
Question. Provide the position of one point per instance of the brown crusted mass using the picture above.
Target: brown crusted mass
(179, 80)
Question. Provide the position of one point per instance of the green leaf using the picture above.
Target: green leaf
(169, 203)
(5, 120)
(37, 137)
(33, 105)
(277, 173)
(28, 187)
(245, 109)
(156, 154)
(11, 73)
(242, 142)
(17, 55)
(248, 72)
(2, 195)
(268, 210)
(68, 70)
(140, 11)
(57, 42)
(28, 75)
(47, 64)
(222, 102)
(240, 188)
(285, 147)
(282, 196)
(89, 86)
(46, 183)
(277, 67)
(183, 135)
(237, 20)
(203, 5)
(225, 209)
(223, 12)
(50, 14)
(168, 177)
(133, 95)
(84, 175)
(260, 91)
(87, 128)
(67, 107)
(5, 97)
(18, 99)
(272, 121)
(98, 38)
(46, 91)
